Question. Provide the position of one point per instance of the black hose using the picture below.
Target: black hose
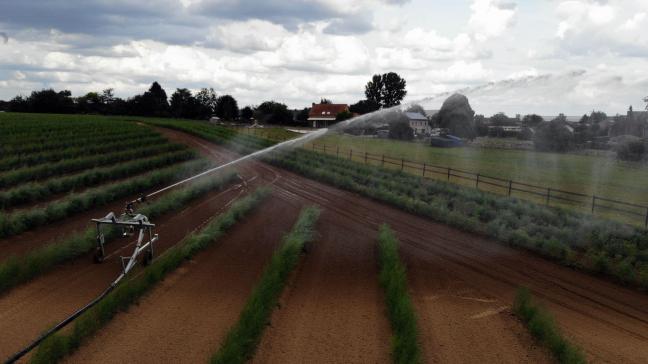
(63, 323)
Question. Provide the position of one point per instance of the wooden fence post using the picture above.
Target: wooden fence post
(424, 165)
(593, 203)
(510, 187)
(449, 169)
(646, 223)
(382, 163)
(402, 164)
(548, 195)
(350, 154)
(366, 153)
(477, 182)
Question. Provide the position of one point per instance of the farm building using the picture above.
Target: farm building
(323, 115)
(418, 122)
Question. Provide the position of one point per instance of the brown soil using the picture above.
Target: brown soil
(447, 267)
(334, 310)
(30, 308)
(184, 319)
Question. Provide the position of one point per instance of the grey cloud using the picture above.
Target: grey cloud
(4, 37)
(348, 26)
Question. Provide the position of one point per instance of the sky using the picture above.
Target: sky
(514, 56)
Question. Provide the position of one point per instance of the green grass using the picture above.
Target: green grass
(393, 279)
(241, 341)
(271, 133)
(578, 240)
(62, 344)
(19, 269)
(578, 173)
(542, 326)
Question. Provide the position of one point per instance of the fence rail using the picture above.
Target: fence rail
(505, 186)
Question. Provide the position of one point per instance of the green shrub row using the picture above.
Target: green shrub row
(20, 221)
(47, 170)
(33, 192)
(543, 327)
(26, 160)
(571, 238)
(61, 344)
(19, 269)
(241, 341)
(74, 140)
(393, 279)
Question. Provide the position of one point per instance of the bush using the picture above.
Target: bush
(543, 327)
(393, 279)
(632, 150)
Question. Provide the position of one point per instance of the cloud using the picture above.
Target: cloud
(491, 18)
(4, 37)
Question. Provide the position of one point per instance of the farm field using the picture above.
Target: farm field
(333, 309)
(578, 173)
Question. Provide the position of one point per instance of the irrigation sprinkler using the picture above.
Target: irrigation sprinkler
(129, 222)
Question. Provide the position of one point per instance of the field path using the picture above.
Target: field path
(185, 317)
(333, 311)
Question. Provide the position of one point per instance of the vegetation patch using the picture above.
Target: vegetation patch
(571, 238)
(20, 221)
(241, 342)
(393, 279)
(542, 326)
(17, 270)
(59, 345)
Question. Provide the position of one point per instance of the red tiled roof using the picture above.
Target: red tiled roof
(327, 110)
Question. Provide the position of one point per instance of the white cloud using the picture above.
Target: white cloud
(491, 18)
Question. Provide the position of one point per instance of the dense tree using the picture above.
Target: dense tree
(45, 101)
(324, 100)
(532, 120)
(364, 107)
(399, 127)
(554, 136)
(183, 104)
(19, 104)
(386, 90)
(457, 116)
(302, 115)
(343, 115)
(417, 108)
(272, 112)
(597, 116)
(247, 113)
(646, 101)
(227, 108)
(500, 119)
(206, 101)
(481, 129)
(90, 103)
(152, 103)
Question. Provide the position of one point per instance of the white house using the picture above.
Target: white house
(418, 122)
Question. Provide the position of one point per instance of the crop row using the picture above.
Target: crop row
(20, 221)
(574, 239)
(33, 192)
(19, 269)
(543, 327)
(59, 345)
(41, 136)
(241, 341)
(393, 279)
(42, 171)
(105, 146)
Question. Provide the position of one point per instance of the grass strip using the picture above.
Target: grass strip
(241, 341)
(393, 279)
(24, 220)
(33, 192)
(59, 345)
(542, 326)
(16, 270)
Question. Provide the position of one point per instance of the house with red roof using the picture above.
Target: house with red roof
(323, 115)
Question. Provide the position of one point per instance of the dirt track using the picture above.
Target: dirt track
(185, 318)
(447, 267)
(333, 311)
